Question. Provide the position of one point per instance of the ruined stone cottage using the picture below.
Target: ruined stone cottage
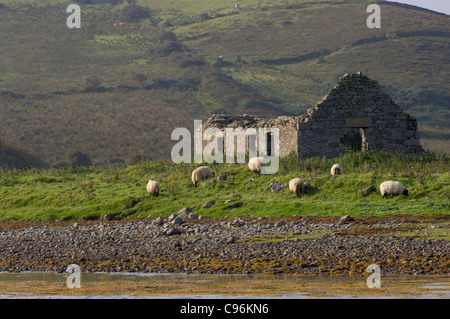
(355, 114)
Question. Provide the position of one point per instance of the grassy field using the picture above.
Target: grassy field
(115, 93)
(90, 193)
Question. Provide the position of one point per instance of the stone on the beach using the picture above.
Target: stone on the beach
(173, 231)
(158, 221)
(280, 223)
(184, 212)
(230, 240)
(177, 221)
(327, 235)
(345, 219)
(193, 216)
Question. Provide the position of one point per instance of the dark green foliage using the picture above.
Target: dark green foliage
(164, 49)
(166, 35)
(188, 63)
(134, 13)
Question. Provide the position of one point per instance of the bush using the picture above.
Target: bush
(134, 13)
(165, 49)
(167, 35)
(188, 63)
(172, 46)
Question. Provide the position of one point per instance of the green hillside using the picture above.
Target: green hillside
(116, 93)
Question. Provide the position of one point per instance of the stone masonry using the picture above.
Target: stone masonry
(355, 114)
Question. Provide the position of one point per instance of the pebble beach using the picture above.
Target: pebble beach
(293, 245)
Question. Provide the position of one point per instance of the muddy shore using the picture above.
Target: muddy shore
(294, 245)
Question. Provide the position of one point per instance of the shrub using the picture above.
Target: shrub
(165, 49)
(167, 35)
(134, 13)
(172, 46)
(187, 63)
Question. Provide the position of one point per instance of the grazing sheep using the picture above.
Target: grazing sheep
(153, 188)
(255, 164)
(203, 172)
(336, 169)
(296, 185)
(392, 188)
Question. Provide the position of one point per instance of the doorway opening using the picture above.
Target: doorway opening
(356, 140)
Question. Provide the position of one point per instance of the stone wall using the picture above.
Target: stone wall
(355, 114)
(287, 127)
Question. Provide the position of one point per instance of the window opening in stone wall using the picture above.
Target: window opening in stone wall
(269, 144)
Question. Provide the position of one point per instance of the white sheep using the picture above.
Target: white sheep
(153, 188)
(336, 169)
(200, 173)
(392, 188)
(255, 164)
(296, 185)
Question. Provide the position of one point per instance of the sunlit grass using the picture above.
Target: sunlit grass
(90, 193)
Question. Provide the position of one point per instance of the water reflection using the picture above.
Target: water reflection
(139, 285)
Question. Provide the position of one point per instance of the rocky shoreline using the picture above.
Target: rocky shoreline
(294, 245)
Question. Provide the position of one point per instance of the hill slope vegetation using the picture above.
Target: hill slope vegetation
(117, 92)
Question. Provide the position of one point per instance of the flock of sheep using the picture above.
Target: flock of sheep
(296, 185)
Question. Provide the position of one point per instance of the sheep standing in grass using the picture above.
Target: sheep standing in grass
(296, 185)
(255, 164)
(336, 169)
(392, 188)
(153, 188)
(203, 172)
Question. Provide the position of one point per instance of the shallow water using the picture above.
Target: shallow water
(139, 285)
